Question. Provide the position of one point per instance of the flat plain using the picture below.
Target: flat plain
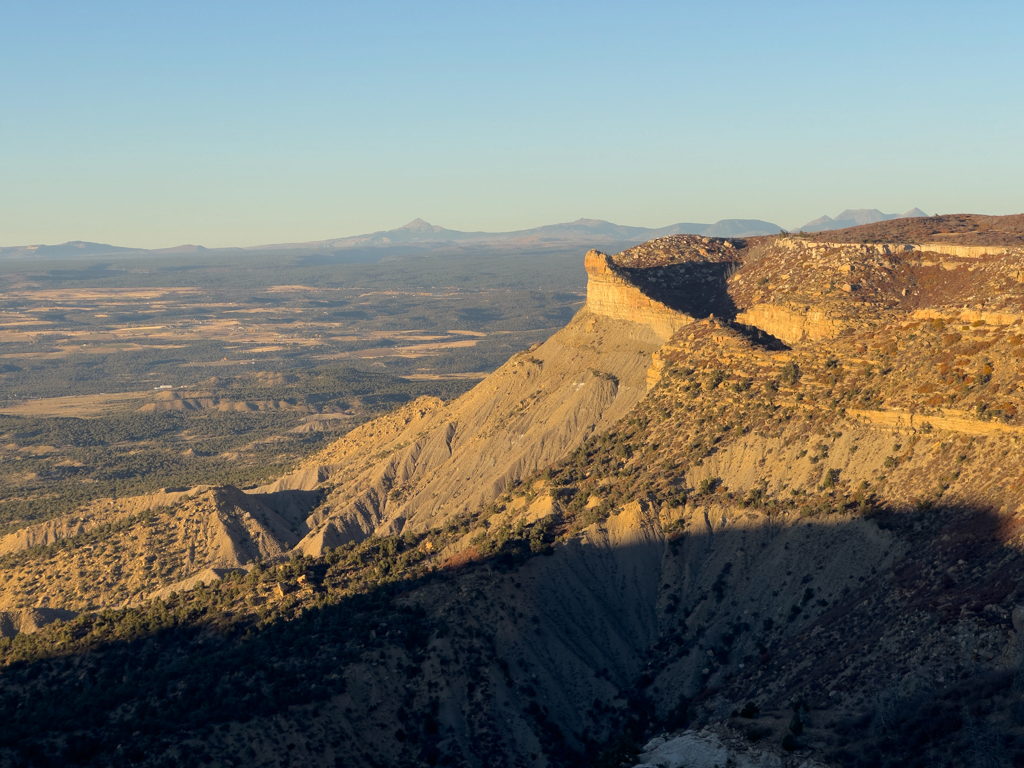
(132, 374)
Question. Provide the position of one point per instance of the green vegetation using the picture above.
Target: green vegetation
(262, 643)
(129, 453)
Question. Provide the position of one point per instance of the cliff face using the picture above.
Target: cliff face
(532, 411)
(792, 324)
(610, 294)
(430, 461)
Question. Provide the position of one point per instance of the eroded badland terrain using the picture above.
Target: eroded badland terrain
(758, 503)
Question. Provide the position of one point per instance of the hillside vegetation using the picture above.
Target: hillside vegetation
(765, 490)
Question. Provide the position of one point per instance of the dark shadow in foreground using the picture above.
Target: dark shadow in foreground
(575, 652)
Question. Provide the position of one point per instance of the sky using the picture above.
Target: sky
(151, 124)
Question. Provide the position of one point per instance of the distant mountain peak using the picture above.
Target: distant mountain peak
(186, 248)
(854, 217)
(70, 249)
(856, 214)
(419, 225)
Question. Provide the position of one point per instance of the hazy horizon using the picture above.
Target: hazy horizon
(418, 225)
(406, 225)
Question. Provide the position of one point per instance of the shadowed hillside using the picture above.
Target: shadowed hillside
(569, 650)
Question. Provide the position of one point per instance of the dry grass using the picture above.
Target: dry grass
(78, 406)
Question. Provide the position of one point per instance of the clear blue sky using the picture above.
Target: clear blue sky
(158, 123)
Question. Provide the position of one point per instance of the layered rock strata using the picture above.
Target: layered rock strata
(610, 294)
(792, 324)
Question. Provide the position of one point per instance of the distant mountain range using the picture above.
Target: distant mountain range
(854, 217)
(419, 233)
(80, 248)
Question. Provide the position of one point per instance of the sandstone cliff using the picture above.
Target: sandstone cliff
(792, 324)
(532, 411)
(611, 294)
(543, 403)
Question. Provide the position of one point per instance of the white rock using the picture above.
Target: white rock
(691, 750)
(1018, 618)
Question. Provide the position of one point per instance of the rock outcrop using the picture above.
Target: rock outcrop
(446, 460)
(30, 620)
(792, 324)
(610, 294)
(430, 461)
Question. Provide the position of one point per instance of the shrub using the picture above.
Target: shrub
(756, 733)
(709, 485)
(713, 379)
(791, 373)
(796, 725)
